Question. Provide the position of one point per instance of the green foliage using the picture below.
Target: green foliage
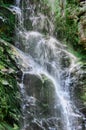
(45, 1)
(9, 92)
(6, 2)
(7, 23)
(84, 97)
(60, 28)
(67, 28)
(72, 2)
(5, 126)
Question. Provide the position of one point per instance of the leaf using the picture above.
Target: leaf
(15, 127)
(1, 67)
(5, 82)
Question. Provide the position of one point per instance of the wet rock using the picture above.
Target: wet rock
(39, 104)
(19, 76)
(52, 123)
(64, 60)
(33, 85)
(42, 90)
(39, 17)
(36, 126)
(82, 29)
(78, 86)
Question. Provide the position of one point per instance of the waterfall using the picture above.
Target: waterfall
(46, 101)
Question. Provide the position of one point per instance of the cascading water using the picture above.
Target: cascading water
(46, 103)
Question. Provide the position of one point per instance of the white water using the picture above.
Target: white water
(46, 55)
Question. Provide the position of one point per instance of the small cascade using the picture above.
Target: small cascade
(62, 109)
(46, 67)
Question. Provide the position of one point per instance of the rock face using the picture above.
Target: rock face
(9, 92)
(39, 106)
(82, 24)
(37, 16)
(71, 28)
(78, 87)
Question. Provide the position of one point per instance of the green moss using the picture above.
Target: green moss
(6, 2)
(67, 28)
(9, 92)
(5, 126)
(7, 23)
(84, 97)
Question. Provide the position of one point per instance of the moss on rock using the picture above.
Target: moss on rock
(71, 29)
(9, 92)
(7, 21)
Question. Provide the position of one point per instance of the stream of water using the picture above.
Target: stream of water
(44, 56)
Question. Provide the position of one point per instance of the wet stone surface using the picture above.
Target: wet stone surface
(39, 103)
